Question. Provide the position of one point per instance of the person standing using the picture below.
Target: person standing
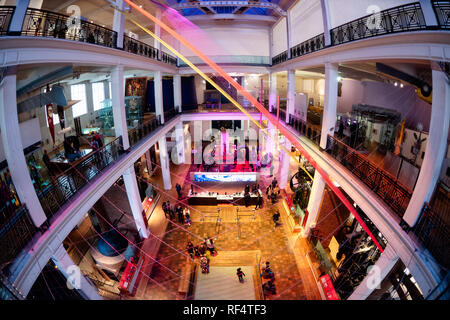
(247, 199)
(179, 211)
(190, 249)
(259, 202)
(240, 275)
(187, 216)
(275, 218)
(178, 188)
(210, 245)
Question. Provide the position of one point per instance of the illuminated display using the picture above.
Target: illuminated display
(225, 177)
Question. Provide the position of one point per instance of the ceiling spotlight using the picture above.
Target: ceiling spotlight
(401, 85)
(396, 83)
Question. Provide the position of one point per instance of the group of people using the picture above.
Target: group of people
(203, 251)
(254, 189)
(268, 286)
(273, 191)
(183, 214)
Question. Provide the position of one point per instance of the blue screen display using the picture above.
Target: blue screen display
(225, 178)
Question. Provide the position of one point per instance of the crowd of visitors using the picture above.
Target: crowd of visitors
(273, 191)
(182, 214)
(204, 251)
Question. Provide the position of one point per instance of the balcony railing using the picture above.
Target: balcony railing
(167, 58)
(42, 23)
(280, 58)
(67, 184)
(433, 227)
(378, 180)
(313, 133)
(442, 10)
(141, 131)
(168, 115)
(399, 19)
(140, 48)
(6, 14)
(14, 235)
(312, 45)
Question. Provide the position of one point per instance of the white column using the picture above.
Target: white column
(326, 21)
(284, 165)
(290, 107)
(75, 277)
(15, 27)
(331, 96)
(270, 138)
(376, 274)
(272, 91)
(119, 22)
(428, 13)
(288, 34)
(118, 105)
(148, 159)
(436, 148)
(156, 43)
(179, 137)
(270, 45)
(165, 165)
(177, 91)
(134, 198)
(159, 107)
(13, 148)
(314, 203)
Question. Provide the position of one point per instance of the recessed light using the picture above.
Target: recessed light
(396, 83)
(401, 85)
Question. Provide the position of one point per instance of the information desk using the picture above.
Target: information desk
(250, 177)
(213, 198)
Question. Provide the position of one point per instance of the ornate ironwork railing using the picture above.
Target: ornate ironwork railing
(168, 115)
(139, 47)
(311, 45)
(167, 58)
(65, 185)
(396, 195)
(407, 17)
(442, 10)
(280, 58)
(15, 234)
(433, 227)
(305, 129)
(137, 134)
(6, 14)
(42, 23)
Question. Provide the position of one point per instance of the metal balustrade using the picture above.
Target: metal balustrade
(311, 45)
(302, 127)
(15, 233)
(442, 10)
(65, 185)
(139, 47)
(170, 114)
(280, 58)
(167, 58)
(388, 188)
(141, 131)
(6, 14)
(43, 23)
(407, 17)
(433, 227)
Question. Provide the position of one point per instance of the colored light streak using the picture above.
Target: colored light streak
(253, 101)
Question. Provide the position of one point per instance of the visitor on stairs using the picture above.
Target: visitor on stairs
(240, 275)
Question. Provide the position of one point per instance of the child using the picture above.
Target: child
(240, 275)
(204, 263)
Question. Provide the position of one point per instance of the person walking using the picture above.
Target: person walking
(190, 249)
(187, 216)
(178, 187)
(180, 215)
(275, 218)
(210, 245)
(240, 275)
(259, 202)
(204, 263)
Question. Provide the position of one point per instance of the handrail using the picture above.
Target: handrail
(139, 47)
(408, 17)
(6, 13)
(142, 130)
(388, 188)
(44, 23)
(441, 9)
(280, 58)
(311, 45)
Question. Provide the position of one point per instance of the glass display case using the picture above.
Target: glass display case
(133, 111)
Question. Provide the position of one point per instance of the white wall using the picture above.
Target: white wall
(306, 20)
(343, 11)
(279, 37)
(219, 39)
(30, 133)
